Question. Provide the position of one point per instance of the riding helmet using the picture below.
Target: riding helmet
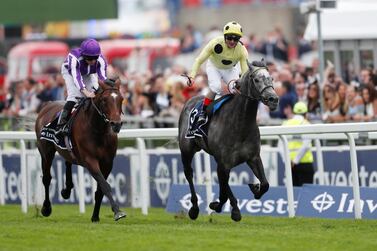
(90, 47)
(300, 108)
(233, 28)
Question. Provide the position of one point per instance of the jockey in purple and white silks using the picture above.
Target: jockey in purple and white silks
(81, 70)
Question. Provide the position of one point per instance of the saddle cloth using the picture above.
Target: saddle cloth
(200, 130)
(48, 132)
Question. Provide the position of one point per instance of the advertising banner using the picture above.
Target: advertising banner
(335, 202)
(273, 203)
(119, 181)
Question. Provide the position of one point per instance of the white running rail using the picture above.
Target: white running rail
(349, 131)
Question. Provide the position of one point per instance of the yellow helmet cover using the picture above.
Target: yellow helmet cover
(233, 28)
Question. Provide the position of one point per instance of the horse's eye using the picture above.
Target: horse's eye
(257, 80)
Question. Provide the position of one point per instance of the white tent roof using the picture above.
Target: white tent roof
(350, 20)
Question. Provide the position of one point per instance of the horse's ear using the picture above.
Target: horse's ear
(250, 66)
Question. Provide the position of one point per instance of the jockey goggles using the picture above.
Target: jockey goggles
(90, 58)
(232, 37)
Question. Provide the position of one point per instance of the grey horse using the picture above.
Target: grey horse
(233, 137)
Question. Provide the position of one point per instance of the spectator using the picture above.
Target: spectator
(30, 101)
(331, 105)
(48, 93)
(191, 39)
(355, 104)
(301, 156)
(367, 95)
(313, 102)
(159, 98)
(286, 102)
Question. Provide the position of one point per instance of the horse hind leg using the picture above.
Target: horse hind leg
(186, 160)
(46, 179)
(223, 197)
(226, 193)
(66, 192)
(258, 189)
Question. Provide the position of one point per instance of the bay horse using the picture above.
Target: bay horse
(233, 137)
(94, 143)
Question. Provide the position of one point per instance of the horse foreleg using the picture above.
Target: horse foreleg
(223, 197)
(99, 194)
(256, 166)
(186, 160)
(66, 192)
(106, 189)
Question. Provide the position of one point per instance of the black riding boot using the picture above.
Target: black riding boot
(64, 116)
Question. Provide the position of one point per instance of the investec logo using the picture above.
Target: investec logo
(278, 206)
(325, 201)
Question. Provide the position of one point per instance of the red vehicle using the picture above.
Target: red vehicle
(35, 59)
(3, 70)
(140, 54)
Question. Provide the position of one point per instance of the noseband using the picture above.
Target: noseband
(102, 114)
(259, 96)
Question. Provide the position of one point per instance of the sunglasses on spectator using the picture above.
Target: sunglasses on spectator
(231, 37)
(90, 58)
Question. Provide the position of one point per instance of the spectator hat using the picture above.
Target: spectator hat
(300, 108)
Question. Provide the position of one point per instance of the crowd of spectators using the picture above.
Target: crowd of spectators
(150, 94)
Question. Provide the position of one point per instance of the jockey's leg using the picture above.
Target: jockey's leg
(207, 101)
(64, 115)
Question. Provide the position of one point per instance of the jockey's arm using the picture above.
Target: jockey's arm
(101, 68)
(243, 60)
(203, 56)
(76, 74)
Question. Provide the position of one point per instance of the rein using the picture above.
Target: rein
(103, 115)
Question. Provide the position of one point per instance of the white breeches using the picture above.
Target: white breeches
(215, 75)
(73, 91)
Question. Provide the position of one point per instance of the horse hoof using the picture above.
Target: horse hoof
(119, 215)
(95, 219)
(255, 189)
(215, 205)
(193, 213)
(46, 211)
(258, 190)
(65, 193)
(236, 215)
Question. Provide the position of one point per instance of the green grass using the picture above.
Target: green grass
(66, 229)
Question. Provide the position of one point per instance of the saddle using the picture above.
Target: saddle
(48, 132)
(195, 129)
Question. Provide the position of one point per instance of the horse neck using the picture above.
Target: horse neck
(246, 109)
(96, 121)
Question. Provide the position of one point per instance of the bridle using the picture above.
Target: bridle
(102, 114)
(259, 94)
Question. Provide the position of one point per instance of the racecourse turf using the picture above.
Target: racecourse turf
(67, 229)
